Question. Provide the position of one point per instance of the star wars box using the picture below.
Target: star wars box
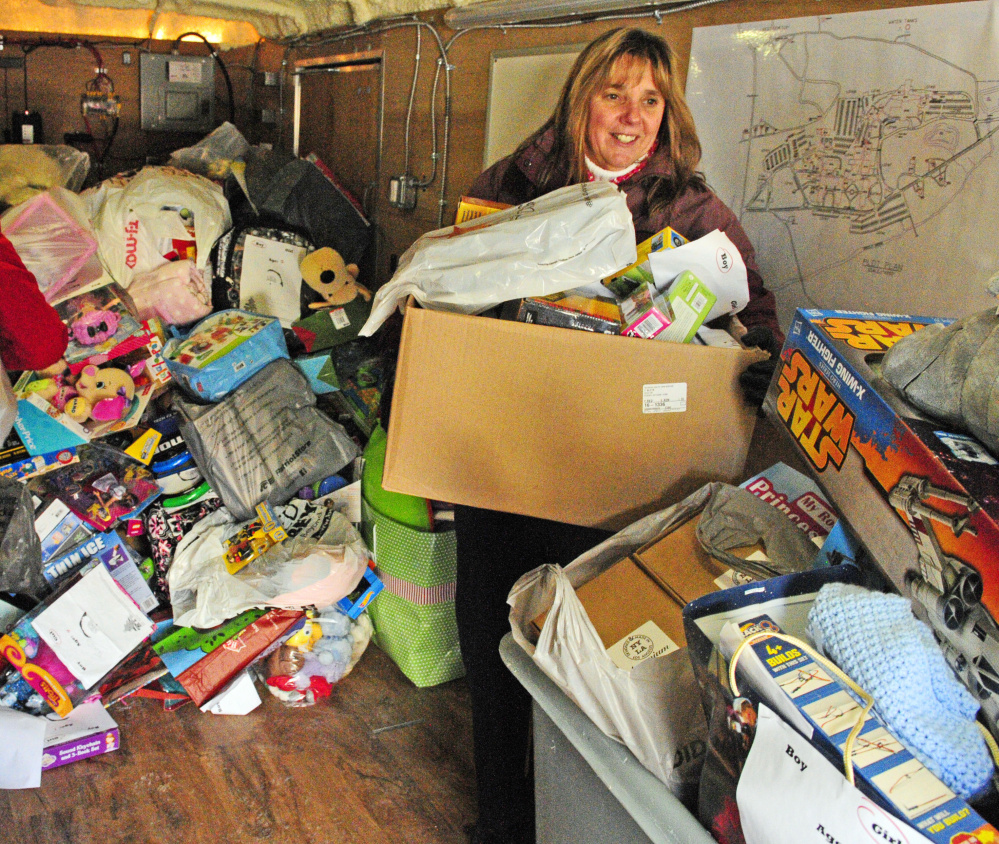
(922, 497)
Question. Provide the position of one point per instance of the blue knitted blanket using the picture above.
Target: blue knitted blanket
(888, 652)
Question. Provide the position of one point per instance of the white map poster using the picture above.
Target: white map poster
(859, 151)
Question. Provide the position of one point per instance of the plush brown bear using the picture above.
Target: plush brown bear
(325, 272)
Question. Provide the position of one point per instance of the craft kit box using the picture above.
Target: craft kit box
(579, 427)
(222, 351)
(922, 498)
(87, 731)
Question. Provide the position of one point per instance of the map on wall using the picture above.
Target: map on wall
(860, 152)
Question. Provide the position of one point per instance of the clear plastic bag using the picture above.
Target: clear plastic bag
(214, 155)
(29, 169)
(20, 548)
(569, 238)
(52, 236)
(303, 670)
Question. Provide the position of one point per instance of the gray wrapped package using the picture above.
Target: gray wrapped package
(735, 518)
(265, 441)
(951, 372)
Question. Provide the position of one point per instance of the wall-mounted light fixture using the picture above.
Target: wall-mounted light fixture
(493, 12)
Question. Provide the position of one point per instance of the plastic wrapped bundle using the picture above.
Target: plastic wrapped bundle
(266, 440)
(53, 237)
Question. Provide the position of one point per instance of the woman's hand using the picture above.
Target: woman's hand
(755, 380)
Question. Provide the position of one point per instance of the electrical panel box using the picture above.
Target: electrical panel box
(177, 93)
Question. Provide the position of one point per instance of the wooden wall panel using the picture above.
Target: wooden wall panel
(470, 59)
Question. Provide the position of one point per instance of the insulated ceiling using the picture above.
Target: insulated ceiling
(271, 18)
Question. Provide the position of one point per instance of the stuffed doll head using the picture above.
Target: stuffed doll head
(326, 273)
(94, 327)
(105, 383)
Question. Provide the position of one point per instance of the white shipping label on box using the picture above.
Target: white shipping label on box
(641, 644)
(664, 398)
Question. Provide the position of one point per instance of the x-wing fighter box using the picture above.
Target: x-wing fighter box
(923, 499)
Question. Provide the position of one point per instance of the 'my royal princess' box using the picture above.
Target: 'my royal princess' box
(921, 497)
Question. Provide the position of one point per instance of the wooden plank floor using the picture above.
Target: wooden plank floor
(327, 774)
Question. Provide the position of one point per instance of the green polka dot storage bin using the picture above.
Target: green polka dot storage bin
(413, 615)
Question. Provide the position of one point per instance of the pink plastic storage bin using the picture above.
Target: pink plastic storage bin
(52, 244)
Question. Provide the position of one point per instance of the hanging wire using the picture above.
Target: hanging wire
(387, 24)
(219, 62)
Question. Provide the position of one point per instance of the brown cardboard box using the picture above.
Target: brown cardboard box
(561, 424)
(653, 584)
(621, 599)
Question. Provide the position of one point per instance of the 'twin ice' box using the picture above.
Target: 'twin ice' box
(585, 428)
(922, 498)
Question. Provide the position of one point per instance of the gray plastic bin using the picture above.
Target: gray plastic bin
(589, 788)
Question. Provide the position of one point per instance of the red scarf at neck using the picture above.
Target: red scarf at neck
(639, 166)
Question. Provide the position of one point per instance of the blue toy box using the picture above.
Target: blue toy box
(222, 351)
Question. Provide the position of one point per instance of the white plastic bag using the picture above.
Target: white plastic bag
(568, 238)
(655, 708)
(160, 215)
(322, 561)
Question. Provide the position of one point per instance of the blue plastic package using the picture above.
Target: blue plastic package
(222, 351)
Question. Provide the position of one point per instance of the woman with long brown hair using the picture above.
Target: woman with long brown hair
(622, 117)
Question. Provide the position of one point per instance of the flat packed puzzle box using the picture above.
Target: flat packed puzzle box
(923, 498)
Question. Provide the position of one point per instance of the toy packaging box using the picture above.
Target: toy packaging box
(46, 430)
(59, 530)
(623, 283)
(811, 699)
(568, 310)
(87, 731)
(103, 487)
(102, 325)
(672, 316)
(56, 662)
(222, 351)
(18, 464)
(58, 412)
(922, 498)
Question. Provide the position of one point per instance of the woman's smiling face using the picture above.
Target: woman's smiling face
(625, 115)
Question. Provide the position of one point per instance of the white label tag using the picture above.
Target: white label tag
(732, 578)
(339, 318)
(187, 72)
(664, 398)
(640, 644)
(826, 806)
